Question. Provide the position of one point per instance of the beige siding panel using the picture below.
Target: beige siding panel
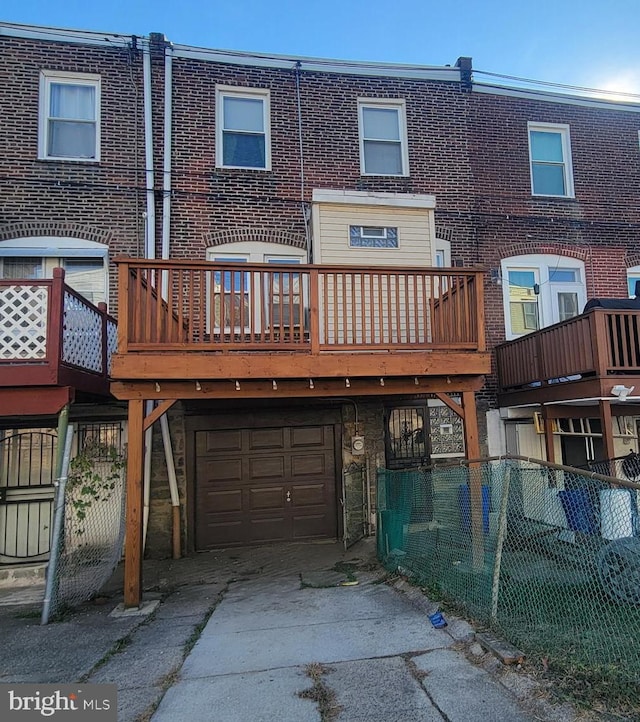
(414, 235)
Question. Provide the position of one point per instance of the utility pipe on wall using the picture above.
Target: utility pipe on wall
(166, 170)
(166, 251)
(149, 250)
(150, 225)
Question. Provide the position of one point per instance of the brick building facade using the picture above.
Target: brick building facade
(467, 145)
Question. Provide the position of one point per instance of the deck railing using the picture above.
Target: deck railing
(599, 343)
(46, 327)
(200, 306)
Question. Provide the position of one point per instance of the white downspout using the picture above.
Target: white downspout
(149, 252)
(150, 225)
(166, 250)
(166, 170)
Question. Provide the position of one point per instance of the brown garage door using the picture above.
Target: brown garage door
(264, 484)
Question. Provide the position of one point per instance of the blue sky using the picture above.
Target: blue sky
(579, 42)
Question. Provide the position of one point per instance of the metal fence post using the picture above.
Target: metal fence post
(62, 467)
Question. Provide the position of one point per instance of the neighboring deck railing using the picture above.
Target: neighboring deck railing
(200, 306)
(48, 330)
(598, 343)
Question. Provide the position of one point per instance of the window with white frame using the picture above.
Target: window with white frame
(442, 255)
(243, 128)
(540, 290)
(550, 160)
(633, 278)
(373, 237)
(281, 300)
(383, 137)
(84, 262)
(69, 116)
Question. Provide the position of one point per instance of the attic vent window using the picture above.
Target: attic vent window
(373, 237)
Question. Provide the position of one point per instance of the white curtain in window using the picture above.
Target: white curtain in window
(72, 102)
(381, 124)
(72, 129)
(244, 114)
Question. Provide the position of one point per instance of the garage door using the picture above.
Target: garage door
(264, 484)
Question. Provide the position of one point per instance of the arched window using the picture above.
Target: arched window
(84, 262)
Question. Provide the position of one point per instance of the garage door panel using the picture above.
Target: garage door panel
(223, 533)
(308, 495)
(241, 496)
(220, 471)
(273, 528)
(266, 467)
(266, 438)
(308, 436)
(224, 501)
(261, 498)
(309, 526)
(310, 465)
(226, 440)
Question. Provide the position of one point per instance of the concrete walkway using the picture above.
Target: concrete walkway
(275, 649)
(275, 633)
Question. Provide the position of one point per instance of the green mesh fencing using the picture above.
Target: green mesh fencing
(547, 556)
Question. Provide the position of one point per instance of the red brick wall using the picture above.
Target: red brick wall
(600, 226)
(468, 149)
(96, 201)
(208, 199)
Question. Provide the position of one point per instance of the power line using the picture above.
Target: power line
(563, 86)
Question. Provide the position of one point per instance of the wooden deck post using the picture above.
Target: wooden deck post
(472, 446)
(134, 526)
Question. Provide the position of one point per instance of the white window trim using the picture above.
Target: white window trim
(52, 251)
(563, 130)
(633, 272)
(47, 77)
(226, 91)
(540, 263)
(442, 248)
(398, 105)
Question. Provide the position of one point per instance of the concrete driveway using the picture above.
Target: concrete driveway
(293, 650)
(292, 633)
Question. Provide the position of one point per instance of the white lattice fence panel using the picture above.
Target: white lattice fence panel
(112, 343)
(82, 334)
(23, 322)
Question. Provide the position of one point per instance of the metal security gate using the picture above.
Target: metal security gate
(27, 469)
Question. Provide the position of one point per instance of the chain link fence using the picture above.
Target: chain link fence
(90, 501)
(548, 556)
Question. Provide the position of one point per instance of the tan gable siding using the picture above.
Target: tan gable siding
(415, 233)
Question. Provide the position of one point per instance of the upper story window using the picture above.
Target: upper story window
(373, 237)
(69, 116)
(383, 138)
(540, 290)
(550, 157)
(243, 128)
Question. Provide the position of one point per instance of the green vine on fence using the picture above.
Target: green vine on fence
(93, 475)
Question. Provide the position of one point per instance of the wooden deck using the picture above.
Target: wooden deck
(53, 342)
(583, 357)
(266, 323)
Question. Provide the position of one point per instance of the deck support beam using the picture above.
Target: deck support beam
(135, 505)
(472, 446)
